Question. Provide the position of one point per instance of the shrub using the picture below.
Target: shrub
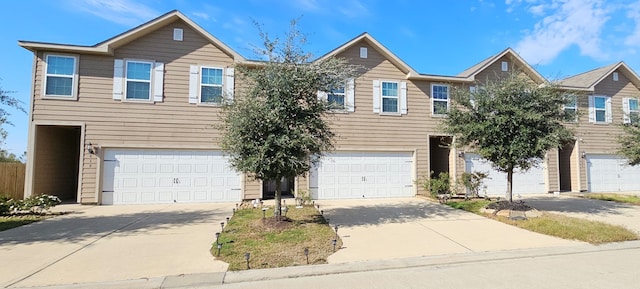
(34, 204)
(473, 182)
(438, 186)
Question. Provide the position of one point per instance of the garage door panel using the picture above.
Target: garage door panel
(164, 176)
(354, 174)
(610, 173)
(531, 181)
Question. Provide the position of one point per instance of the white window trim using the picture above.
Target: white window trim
(626, 109)
(344, 98)
(200, 84)
(74, 78)
(382, 97)
(504, 66)
(126, 81)
(607, 109)
(433, 99)
(574, 107)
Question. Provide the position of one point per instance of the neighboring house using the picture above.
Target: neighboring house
(129, 120)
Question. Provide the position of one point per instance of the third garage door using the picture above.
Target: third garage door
(349, 175)
(531, 181)
(610, 173)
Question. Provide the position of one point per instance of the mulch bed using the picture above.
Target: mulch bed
(506, 205)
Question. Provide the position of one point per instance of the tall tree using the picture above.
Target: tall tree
(276, 126)
(7, 100)
(630, 140)
(511, 122)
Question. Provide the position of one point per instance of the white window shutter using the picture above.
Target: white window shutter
(229, 83)
(403, 97)
(592, 109)
(608, 110)
(118, 79)
(194, 74)
(158, 81)
(351, 95)
(626, 110)
(376, 96)
(323, 95)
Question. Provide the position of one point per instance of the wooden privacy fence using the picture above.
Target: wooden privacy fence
(12, 180)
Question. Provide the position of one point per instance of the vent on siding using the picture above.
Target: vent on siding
(615, 76)
(505, 66)
(177, 34)
(363, 52)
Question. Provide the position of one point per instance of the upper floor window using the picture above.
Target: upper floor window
(390, 95)
(138, 80)
(440, 99)
(60, 76)
(211, 85)
(631, 110)
(571, 108)
(599, 109)
(336, 98)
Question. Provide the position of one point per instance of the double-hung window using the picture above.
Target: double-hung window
(571, 108)
(60, 76)
(138, 80)
(336, 98)
(440, 99)
(211, 85)
(390, 94)
(600, 109)
(631, 110)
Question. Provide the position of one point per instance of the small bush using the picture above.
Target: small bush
(438, 186)
(34, 204)
(473, 182)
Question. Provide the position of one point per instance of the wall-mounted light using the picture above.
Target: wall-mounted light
(461, 154)
(583, 155)
(91, 149)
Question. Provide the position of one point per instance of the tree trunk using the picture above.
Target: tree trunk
(277, 211)
(510, 185)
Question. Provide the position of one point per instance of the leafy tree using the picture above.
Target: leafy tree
(7, 101)
(630, 140)
(276, 127)
(511, 122)
(7, 157)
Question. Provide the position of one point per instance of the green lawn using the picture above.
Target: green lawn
(275, 244)
(12, 221)
(619, 198)
(557, 225)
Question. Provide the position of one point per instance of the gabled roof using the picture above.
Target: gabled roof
(472, 71)
(588, 80)
(107, 47)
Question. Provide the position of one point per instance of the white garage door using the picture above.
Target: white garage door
(529, 182)
(363, 174)
(610, 173)
(134, 176)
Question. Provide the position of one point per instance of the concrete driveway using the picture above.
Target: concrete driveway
(377, 229)
(608, 212)
(107, 243)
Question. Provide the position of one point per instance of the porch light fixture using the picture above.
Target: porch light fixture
(461, 154)
(583, 155)
(91, 149)
(247, 256)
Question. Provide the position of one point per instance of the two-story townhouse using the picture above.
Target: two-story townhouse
(605, 98)
(130, 120)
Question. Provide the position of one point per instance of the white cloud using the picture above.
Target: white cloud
(567, 23)
(634, 14)
(309, 5)
(201, 15)
(354, 9)
(126, 12)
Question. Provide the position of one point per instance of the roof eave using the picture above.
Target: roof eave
(40, 46)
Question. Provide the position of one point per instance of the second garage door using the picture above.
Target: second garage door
(349, 175)
(531, 181)
(137, 176)
(610, 173)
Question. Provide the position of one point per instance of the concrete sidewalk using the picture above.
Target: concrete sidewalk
(571, 205)
(378, 229)
(107, 243)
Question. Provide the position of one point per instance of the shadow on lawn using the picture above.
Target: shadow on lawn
(576, 205)
(78, 227)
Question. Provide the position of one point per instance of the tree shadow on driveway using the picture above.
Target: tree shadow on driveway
(83, 226)
(384, 213)
(566, 204)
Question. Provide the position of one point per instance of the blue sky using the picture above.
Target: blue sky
(558, 37)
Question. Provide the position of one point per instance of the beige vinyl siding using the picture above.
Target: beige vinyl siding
(577, 174)
(171, 123)
(366, 130)
(553, 170)
(252, 188)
